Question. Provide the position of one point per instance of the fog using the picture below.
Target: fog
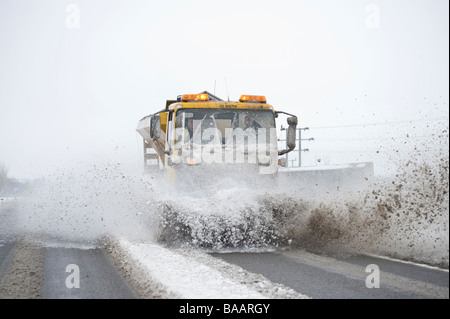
(76, 76)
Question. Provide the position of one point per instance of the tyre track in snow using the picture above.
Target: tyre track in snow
(22, 269)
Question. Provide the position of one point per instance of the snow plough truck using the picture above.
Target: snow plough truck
(199, 135)
(204, 144)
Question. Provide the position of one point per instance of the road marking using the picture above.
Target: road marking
(406, 262)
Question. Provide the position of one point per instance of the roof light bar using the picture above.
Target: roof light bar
(194, 97)
(253, 98)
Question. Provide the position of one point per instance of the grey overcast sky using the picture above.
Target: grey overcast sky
(76, 76)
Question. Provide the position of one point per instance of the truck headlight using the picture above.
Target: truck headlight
(264, 160)
(174, 159)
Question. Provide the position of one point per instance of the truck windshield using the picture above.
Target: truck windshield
(206, 125)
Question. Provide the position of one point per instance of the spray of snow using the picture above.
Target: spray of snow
(404, 215)
(81, 204)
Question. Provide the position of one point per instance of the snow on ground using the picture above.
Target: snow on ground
(188, 274)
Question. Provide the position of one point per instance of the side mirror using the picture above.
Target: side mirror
(291, 135)
(155, 127)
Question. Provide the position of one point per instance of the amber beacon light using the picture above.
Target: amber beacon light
(194, 97)
(253, 98)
